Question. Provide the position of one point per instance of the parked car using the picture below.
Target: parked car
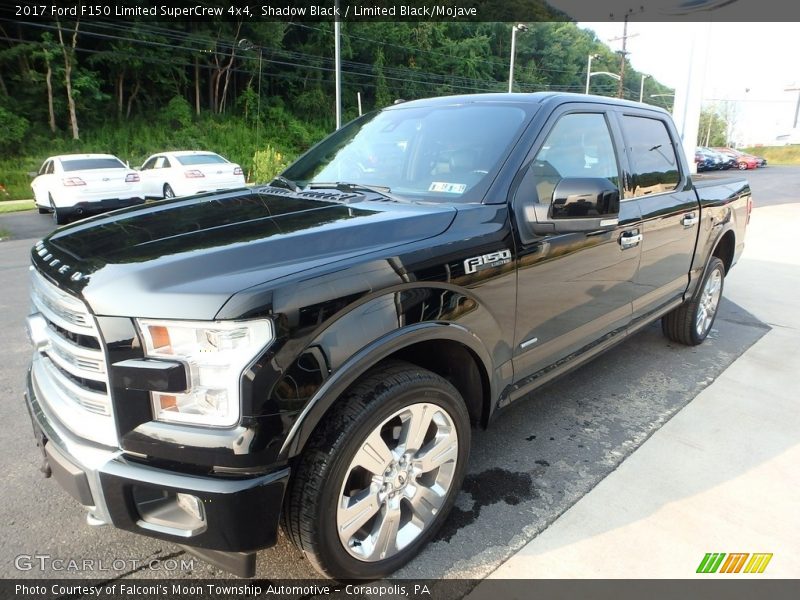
(703, 161)
(744, 161)
(721, 160)
(171, 174)
(315, 351)
(81, 184)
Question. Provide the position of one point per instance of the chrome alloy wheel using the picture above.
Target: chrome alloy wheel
(709, 300)
(397, 482)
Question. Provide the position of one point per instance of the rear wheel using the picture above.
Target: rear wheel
(59, 215)
(380, 475)
(742, 166)
(168, 192)
(691, 322)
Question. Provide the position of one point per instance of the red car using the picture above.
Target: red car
(743, 161)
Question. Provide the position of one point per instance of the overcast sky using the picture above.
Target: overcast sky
(763, 58)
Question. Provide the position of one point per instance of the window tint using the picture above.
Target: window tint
(201, 159)
(653, 162)
(82, 164)
(578, 146)
(434, 152)
(51, 167)
(149, 164)
(44, 167)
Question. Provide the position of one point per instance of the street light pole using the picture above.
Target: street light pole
(337, 51)
(589, 70)
(795, 88)
(641, 88)
(514, 29)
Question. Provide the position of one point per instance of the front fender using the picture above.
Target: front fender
(356, 365)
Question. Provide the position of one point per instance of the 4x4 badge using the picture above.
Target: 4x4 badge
(485, 261)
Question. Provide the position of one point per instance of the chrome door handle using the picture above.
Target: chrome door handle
(690, 219)
(630, 239)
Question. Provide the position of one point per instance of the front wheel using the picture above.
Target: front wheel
(380, 475)
(691, 322)
(168, 192)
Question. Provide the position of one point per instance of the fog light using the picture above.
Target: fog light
(192, 505)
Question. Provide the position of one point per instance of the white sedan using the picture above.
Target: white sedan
(82, 184)
(171, 174)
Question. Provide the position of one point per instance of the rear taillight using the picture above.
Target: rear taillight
(131, 178)
(71, 181)
(193, 174)
(238, 171)
(749, 209)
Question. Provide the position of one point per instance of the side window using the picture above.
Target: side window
(654, 165)
(149, 164)
(44, 167)
(579, 145)
(51, 167)
(167, 164)
(160, 162)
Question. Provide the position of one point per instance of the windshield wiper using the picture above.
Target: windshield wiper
(343, 186)
(285, 182)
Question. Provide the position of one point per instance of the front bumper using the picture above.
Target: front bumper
(239, 515)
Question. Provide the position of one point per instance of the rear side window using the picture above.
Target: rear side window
(654, 165)
(201, 159)
(82, 164)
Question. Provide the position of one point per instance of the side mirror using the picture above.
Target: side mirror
(579, 204)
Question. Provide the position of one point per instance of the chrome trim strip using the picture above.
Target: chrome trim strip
(79, 418)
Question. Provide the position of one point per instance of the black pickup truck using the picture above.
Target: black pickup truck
(314, 352)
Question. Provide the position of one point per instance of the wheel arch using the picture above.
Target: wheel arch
(447, 349)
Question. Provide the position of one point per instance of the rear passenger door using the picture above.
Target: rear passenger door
(655, 180)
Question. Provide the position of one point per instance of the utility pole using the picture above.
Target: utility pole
(624, 52)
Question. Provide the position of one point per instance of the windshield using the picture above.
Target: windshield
(87, 164)
(201, 159)
(447, 153)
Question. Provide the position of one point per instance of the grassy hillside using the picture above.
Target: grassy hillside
(234, 137)
(777, 155)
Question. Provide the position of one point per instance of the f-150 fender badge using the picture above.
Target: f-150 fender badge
(486, 261)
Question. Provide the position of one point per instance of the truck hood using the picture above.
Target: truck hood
(184, 258)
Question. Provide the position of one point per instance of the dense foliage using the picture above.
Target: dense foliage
(133, 88)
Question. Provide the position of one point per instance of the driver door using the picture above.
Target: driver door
(575, 290)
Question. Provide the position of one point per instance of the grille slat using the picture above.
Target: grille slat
(72, 363)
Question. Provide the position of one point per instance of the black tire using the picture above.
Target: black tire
(682, 324)
(168, 191)
(59, 216)
(43, 211)
(315, 491)
(742, 166)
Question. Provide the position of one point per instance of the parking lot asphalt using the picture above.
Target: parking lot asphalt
(538, 458)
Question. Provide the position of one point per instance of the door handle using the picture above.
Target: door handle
(690, 220)
(629, 239)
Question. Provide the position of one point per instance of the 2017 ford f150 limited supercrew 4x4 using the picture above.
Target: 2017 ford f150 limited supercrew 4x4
(314, 352)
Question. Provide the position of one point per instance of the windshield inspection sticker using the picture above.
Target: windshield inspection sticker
(449, 188)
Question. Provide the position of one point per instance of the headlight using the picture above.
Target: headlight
(216, 354)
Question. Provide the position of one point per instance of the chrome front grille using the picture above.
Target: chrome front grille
(70, 365)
